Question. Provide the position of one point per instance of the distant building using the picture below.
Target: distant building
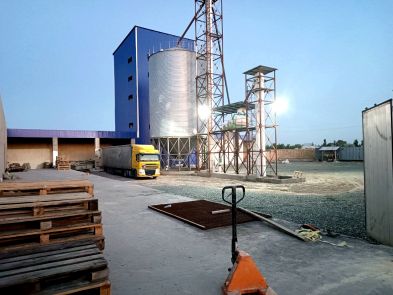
(132, 78)
(308, 146)
(328, 153)
(336, 153)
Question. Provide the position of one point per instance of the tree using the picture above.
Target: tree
(341, 143)
(324, 142)
(356, 143)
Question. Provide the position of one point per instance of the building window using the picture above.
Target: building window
(130, 59)
(130, 78)
(131, 125)
(130, 97)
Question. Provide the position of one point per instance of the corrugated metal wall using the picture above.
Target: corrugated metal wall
(3, 141)
(132, 78)
(378, 174)
(172, 95)
(351, 153)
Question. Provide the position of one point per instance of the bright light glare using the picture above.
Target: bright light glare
(280, 106)
(203, 112)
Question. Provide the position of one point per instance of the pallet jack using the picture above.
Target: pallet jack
(244, 277)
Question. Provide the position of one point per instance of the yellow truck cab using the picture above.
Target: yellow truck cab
(132, 160)
(145, 161)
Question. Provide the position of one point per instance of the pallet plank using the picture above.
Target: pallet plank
(44, 252)
(33, 247)
(44, 187)
(36, 273)
(49, 216)
(76, 287)
(24, 233)
(45, 259)
(53, 199)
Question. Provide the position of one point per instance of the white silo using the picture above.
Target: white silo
(172, 103)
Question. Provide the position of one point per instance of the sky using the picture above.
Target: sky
(334, 58)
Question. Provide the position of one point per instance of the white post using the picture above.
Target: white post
(209, 83)
(260, 139)
(96, 145)
(55, 150)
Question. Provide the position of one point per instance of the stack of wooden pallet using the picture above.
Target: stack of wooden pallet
(62, 164)
(51, 238)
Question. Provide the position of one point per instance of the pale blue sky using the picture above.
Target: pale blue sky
(334, 58)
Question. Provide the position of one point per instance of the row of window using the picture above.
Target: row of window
(131, 124)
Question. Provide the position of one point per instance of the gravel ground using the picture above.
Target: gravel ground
(332, 197)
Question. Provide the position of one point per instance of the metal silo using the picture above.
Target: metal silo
(172, 93)
(173, 105)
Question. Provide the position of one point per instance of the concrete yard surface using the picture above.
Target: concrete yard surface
(150, 253)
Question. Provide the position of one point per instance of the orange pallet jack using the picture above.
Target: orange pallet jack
(244, 277)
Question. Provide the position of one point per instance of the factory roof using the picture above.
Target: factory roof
(147, 30)
(233, 107)
(329, 148)
(42, 133)
(263, 69)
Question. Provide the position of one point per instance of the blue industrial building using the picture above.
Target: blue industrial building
(132, 78)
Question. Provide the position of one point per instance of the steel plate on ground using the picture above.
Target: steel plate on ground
(199, 213)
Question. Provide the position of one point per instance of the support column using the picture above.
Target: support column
(97, 153)
(55, 150)
(260, 139)
(97, 146)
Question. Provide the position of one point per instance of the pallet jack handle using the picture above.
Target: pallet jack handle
(233, 201)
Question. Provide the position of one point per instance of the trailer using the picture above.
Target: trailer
(132, 160)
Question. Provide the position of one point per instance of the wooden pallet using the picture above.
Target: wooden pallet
(80, 287)
(45, 187)
(63, 166)
(23, 207)
(28, 238)
(62, 269)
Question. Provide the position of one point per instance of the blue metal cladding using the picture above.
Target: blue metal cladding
(139, 43)
(125, 90)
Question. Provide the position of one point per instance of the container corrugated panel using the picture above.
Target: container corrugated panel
(118, 157)
(378, 173)
(172, 93)
(351, 153)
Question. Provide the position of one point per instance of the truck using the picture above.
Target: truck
(132, 160)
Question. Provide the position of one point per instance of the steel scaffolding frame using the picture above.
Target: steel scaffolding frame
(245, 141)
(260, 86)
(220, 145)
(176, 153)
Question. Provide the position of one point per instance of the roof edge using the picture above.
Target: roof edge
(136, 26)
(45, 133)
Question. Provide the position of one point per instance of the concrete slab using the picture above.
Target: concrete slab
(150, 253)
(281, 179)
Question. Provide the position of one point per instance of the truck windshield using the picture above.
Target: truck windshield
(148, 157)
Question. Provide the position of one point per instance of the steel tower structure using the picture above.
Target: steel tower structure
(210, 82)
(231, 137)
